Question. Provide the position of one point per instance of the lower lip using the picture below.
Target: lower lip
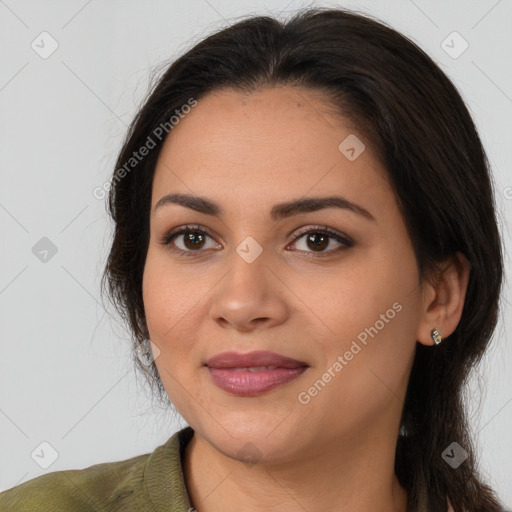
(242, 382)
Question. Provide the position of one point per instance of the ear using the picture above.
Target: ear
(443, 300)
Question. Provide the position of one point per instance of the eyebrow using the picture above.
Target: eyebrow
(278, 211)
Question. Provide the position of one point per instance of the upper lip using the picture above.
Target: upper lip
(252, 359)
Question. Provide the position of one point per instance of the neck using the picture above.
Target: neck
(356, 479)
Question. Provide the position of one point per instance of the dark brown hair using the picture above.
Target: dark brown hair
(421, 130)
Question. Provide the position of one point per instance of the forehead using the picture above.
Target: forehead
(273, 142)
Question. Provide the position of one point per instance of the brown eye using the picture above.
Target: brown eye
(319, 239)
(194, 240)
(188, 240)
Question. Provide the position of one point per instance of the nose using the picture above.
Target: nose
(249, 296)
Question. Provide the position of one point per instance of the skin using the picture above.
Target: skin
(248, 152)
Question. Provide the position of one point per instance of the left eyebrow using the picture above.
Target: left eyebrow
(312, 204)
(278, 211)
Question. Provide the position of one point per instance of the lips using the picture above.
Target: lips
(253, 360)
(254, 373)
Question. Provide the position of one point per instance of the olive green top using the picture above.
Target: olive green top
(152, 482)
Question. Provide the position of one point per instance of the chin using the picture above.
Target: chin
(254, 439)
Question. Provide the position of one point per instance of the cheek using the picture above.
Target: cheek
(166, 303)
(372, 309)
(176, 306)
(169, 301)
(375, 290)
(169, 292)
(367, 366)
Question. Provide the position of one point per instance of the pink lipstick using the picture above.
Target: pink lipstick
(253, 373)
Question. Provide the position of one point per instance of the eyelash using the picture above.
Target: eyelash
(323, 230)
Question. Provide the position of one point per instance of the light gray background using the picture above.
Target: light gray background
(66, 377)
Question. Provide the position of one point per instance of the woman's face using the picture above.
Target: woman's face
(344, 306)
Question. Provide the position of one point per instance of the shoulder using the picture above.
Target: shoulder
(153, 481)
(92, 488)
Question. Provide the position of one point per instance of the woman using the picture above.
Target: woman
(305, 230)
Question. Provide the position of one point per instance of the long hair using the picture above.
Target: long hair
(423, 134)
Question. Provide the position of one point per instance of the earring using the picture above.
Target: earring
(436, 337)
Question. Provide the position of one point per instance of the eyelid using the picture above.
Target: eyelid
(186, 228)
(337, 235)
